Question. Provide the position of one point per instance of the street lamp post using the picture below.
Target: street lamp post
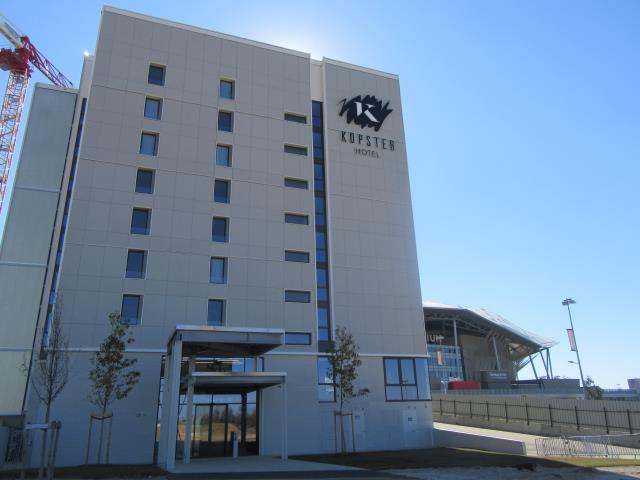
(567, 302)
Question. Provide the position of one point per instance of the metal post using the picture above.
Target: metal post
(606, 419)
(526, 410)
(186, 458)
(285, 454)
(455, 412)
(488, 416)
(629, 422)
(495, 350)
(577, 418)
(568, 302)
(455, 333)
(506, 411)
(549, 362)
(535, 372)
(550, 415)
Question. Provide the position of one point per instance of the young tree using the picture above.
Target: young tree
(344, 361)
(591, 390)
(49, 372)
(112, 376)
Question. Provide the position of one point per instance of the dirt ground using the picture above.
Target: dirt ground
(502, 473)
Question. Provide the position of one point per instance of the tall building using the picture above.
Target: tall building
(236, 202)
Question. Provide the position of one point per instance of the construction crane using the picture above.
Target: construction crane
(18, 61)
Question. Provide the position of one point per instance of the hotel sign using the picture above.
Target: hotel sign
(365, 111)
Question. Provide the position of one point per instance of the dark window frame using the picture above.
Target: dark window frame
(290, 216)
(295, 117)
(164, 74)
(153, 180)
(294, 252)
(296, 292)
(226, 229)
(227, 197)
(401, 382)
(232, 83)
(156, 136)
(123, 318)
(143, 272)
(324, 384)
(153, 99)
(299, 183)
(141, 209)
(231, 123)
(301, 150)
(223, 313)
(229, 149)
(306, 334)
(224, 270)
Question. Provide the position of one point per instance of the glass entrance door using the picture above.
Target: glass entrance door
(210, 424)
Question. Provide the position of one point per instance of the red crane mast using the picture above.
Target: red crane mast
(18, 61)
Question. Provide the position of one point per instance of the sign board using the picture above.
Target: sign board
(572, 340)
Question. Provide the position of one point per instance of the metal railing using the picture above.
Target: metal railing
(612, 446)
(578, 417)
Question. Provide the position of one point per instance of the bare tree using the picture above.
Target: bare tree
(49, 373)
(112, 376)
(344, 361)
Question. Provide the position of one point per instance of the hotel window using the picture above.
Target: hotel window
(297, 296)
(297, 338)
(326, 387)
(131, 311)
(218, 270)
(295, 256)
(144, 181)
(220, 229)
(153, 108)
(296, 183)
(221, 191)
(149, 143)
(223, 155)
(215, 313)
(140, 220)
(294, 117)
(226, 89)
(136, 264)
(156, 74)
(296, 218)
(295, 149)
(406, 379)
(225, 121)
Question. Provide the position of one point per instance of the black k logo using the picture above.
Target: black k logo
(366, 112)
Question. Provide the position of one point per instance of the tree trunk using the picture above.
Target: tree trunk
(100, 439)
(44, 443)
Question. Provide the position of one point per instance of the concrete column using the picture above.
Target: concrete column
(283, 389)
(455, 333)
(495, 350)
(172, 392)
(261, 422)
(189, 415)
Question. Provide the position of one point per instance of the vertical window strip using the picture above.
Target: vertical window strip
(322, 266)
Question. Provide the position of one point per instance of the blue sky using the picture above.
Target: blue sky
(523, 135)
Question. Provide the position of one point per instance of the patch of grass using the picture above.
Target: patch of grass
(96, 471)
(597, 462)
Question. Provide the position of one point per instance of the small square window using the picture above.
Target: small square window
(226, 89)
(223, 155)
(156, 74)
(297, 296)
(296, 218)
(220, 229)
(131, 309)
(225, 121)
(215, 316)
(144, 181)
(221, 191)
(149, 143)
(153, 108)
(136, 264)
(218, 270)
(140, 220)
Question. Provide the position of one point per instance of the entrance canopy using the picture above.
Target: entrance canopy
(205, 341)
(234, 382)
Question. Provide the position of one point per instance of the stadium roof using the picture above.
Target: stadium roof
(520, 338)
